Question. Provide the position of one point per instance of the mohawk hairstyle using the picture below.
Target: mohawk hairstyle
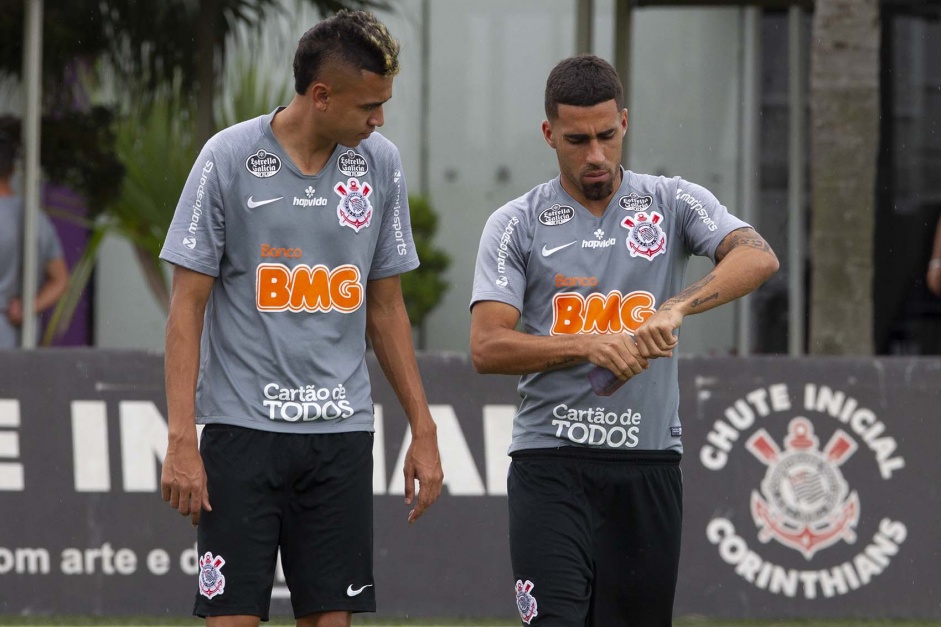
(353, 38)
(582, 81)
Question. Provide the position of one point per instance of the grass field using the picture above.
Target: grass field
(73, 621)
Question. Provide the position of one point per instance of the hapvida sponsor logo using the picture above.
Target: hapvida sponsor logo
(599, 242)
(310, 201)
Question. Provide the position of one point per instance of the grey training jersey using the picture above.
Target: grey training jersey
(569, 272)
(284, 341)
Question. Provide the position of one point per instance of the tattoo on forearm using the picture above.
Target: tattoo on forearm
(558, 363)
(687, 292)
(701, 301)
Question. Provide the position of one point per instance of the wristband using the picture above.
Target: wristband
(934, 263)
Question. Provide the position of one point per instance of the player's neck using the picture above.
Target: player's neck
(294, 130)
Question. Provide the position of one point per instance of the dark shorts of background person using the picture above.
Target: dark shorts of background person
(309, 494)
(595, 536)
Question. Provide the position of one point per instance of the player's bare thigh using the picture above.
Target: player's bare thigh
(326, 619)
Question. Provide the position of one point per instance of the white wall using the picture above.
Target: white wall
(488, 67)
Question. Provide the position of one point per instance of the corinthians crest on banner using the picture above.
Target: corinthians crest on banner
(805, 503)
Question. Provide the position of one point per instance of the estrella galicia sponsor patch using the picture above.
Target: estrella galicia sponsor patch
(352, 163)
(633, 202)
(211, 579)
(556, 214)
(263, 164)
(354, 209)
(525, 601)
(645, 237)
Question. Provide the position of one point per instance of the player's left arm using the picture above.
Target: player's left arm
(744, 261)
(390, 332)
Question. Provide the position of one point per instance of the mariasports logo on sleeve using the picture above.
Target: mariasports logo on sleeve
(352, 163)
(263, 164)
(211, 579)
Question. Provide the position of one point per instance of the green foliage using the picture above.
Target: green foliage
(424, 287)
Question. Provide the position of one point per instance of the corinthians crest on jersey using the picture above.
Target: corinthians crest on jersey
(645, 236)
(354, 209)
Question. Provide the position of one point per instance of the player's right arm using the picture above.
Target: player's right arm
(183, 481)
(498, 348)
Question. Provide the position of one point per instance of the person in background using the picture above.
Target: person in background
(933, 279)
(53, 275)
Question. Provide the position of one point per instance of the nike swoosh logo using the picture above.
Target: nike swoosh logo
(352, 593)
(548, 251)
(252, 204)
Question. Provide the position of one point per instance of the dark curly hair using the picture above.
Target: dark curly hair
(353, 38)
(582, 81)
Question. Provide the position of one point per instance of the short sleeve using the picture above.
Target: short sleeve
(395, 248)
(49, 245)
(704, 220)
(500, 274)
(196, 237)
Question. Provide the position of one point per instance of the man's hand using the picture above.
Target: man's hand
(655, 337)
(183, 481)
(422, 463)
(15, 311)
(618, 353)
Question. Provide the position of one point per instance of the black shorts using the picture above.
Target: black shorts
(310, 495)
(595, 536)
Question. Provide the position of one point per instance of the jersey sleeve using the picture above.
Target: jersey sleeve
(49, 245)
(500, 274)
(196, 237)
(705, 221)
(395, 248)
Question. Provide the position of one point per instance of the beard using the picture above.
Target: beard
(599, 191)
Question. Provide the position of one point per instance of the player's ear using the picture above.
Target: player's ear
(623, 122)
(319, 94)
(547, 133)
